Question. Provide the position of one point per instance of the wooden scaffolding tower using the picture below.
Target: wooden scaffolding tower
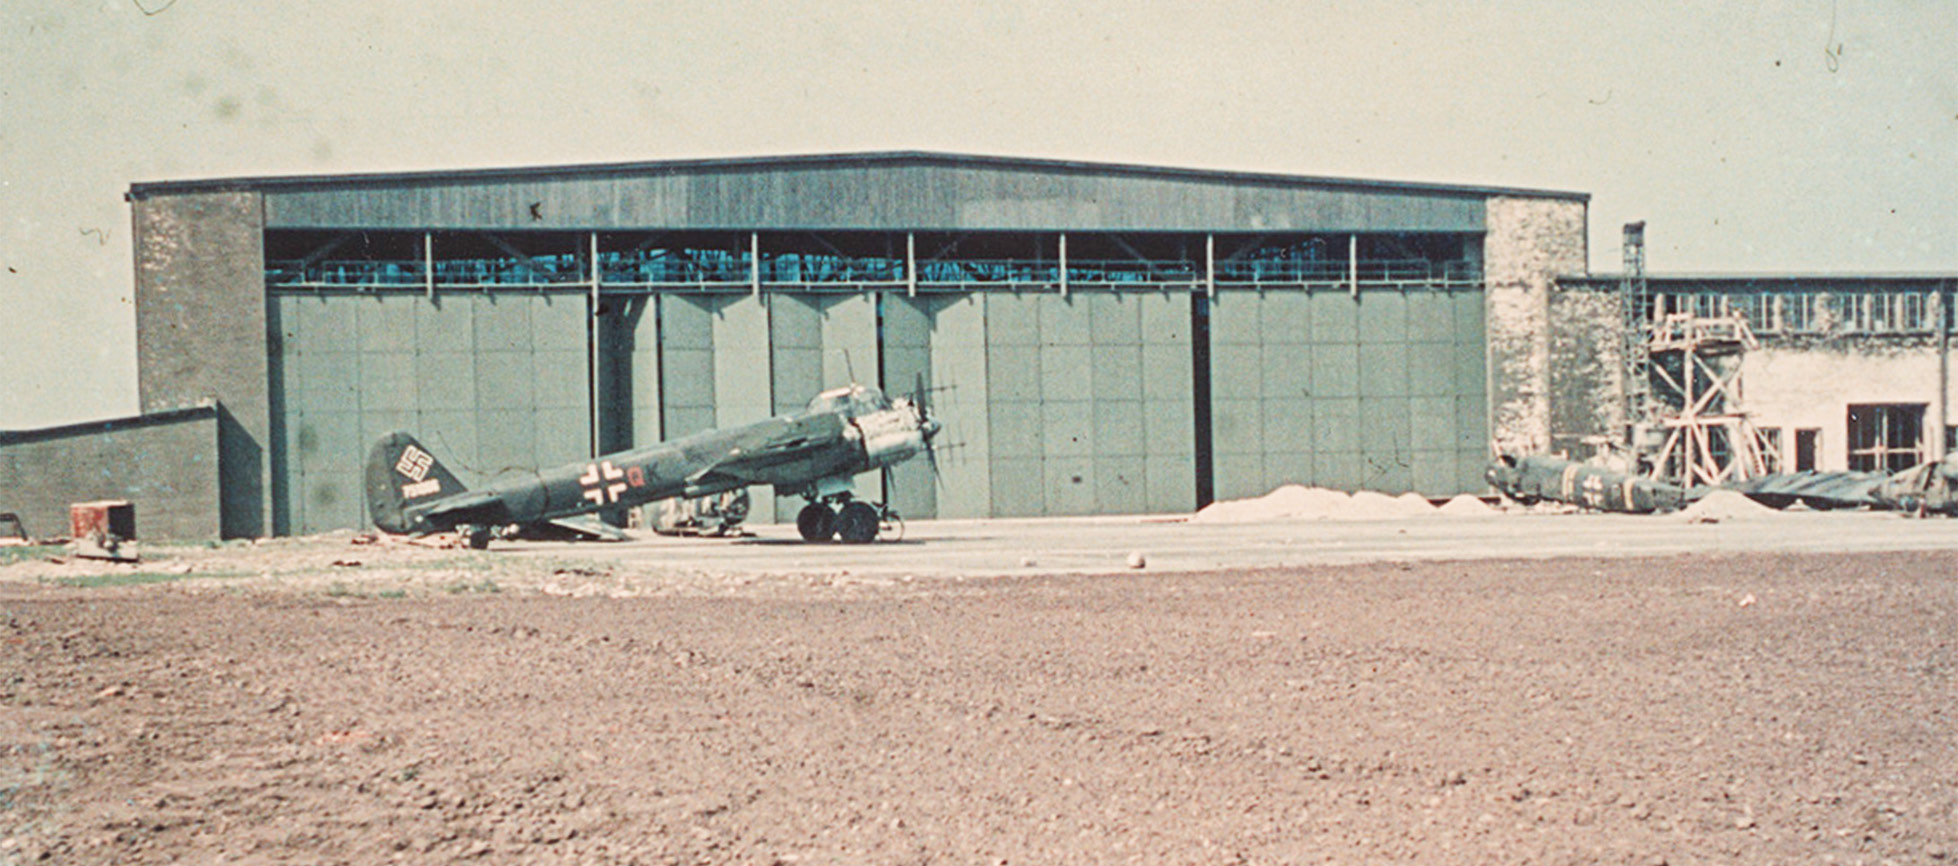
(1695, 380)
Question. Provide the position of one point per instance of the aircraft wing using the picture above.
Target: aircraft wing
(769, 444)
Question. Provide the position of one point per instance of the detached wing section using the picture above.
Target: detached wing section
(1824, 490)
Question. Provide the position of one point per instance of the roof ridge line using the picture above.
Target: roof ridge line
(279, 182)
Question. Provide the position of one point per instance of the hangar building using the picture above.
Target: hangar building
(1098, 338)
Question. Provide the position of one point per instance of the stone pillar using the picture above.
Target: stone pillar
(1527, 244)
(1587, 368)
(201, 332)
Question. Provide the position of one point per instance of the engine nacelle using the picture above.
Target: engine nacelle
(890, 436)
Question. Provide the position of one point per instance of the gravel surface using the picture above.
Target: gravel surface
(259, 703)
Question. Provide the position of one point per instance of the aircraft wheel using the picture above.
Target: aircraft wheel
(816, 522)
(478, 537)
(857, 524)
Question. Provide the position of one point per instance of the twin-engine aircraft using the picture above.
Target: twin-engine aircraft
(813, 455)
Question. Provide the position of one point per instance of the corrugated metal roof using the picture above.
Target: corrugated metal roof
(843, 160)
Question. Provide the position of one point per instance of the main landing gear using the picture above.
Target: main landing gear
(851, 521)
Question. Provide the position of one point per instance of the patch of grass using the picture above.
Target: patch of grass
(134, 578)
(458, 563)
(11, 555)
(483, 586)
(341, 590)
(392, 593)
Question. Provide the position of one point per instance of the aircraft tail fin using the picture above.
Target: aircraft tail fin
(401, 473)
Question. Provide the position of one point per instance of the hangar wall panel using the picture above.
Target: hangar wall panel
(959, 355)
(629, 373)
(686, 328)
(1325, 389)
(817, 342)
(795, 324)
(1015, 420)
(742, 376)
(850, 356)
(1168, 403)
(906, 364)
(490, 383)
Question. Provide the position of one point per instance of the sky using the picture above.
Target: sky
(1779, 135)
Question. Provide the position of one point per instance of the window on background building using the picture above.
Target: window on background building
(1707, 305)
(1883, 313)
(1757, 309)
(1801, 313)
(1770, 447)
(1858, 312)
(1886, 437)
(1808, 443)
(1913, 312)
(1835, 312)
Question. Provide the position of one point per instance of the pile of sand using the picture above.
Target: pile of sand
(1467, 505)
(1724, 505)
(1296, 502)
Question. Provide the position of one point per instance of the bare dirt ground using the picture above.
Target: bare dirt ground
(263, 704)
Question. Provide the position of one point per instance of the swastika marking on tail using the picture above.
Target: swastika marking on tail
(414, 463)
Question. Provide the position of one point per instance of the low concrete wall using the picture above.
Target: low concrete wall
(166, 463)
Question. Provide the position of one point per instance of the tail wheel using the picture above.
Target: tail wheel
(478, 537)
(857, 523)
(816, 522)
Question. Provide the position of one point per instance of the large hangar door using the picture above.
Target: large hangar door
(492, 383)
(1384, 391)
(1090, 403)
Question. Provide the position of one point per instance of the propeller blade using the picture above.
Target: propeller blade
(925, 421)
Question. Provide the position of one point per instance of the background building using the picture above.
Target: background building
(1100, 338)
(1848, 372)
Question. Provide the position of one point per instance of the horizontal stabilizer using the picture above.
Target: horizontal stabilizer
(472, 504)
(589, 526)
